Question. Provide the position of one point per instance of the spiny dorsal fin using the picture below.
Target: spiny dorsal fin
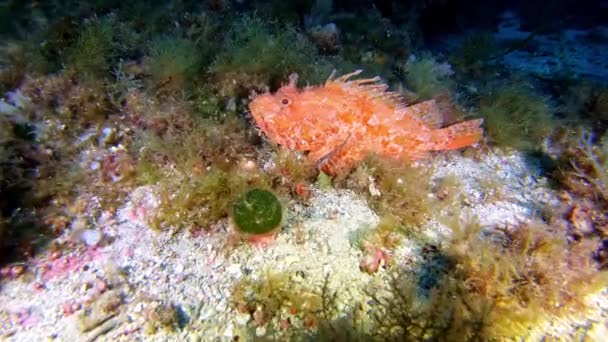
(374, 87)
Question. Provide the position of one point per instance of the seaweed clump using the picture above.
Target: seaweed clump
(584, 174)
(99, 46)
(397, 189)
(197, 202)
(173, 63)
(490, 287)
(196, 163)
(516, 117)
(529, 273)
(91, 54)
(256, 54)
(587, 174)
(284, 305)
(426, 77)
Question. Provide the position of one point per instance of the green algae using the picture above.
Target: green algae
(257, 54)
(207, 103)
(427, 78)
(197, 203)
(516, 116)
(404, 191)
(196, 164)
(324, 181)
(174, 61)
(93, 49)
(257, 211)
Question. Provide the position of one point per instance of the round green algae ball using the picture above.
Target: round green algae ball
(257, 211)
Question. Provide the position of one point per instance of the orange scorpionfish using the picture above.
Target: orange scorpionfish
(343, 121)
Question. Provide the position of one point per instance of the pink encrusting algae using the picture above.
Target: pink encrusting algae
(343, 121)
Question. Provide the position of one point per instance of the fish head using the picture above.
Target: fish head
(273, 112)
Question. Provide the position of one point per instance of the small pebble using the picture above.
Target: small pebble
(242, 318)
(139, 308)
(101, 286)
(91, 237)
(260, 331)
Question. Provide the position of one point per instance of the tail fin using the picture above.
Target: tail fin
(457, 136)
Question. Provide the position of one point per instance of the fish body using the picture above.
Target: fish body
(344, 120)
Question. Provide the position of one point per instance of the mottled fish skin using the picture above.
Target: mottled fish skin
(342, 121)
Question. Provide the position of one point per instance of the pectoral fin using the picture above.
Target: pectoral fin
(332, 159)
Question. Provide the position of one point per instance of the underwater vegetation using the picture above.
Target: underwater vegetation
(517, 117)
(206, 103)
(283, 301)
(257, 54)
(583, 173)
(257, 211)
(526, 273)
(426, 77)
(495, 287)
(16, 185)
(20, 60)
(173, 62)
(155, 94)
(199, 202)
(475, 54)
(195, 163)
(487, 286)
(401, 190)
(93, 49)
(99, 45)
(590, 166)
